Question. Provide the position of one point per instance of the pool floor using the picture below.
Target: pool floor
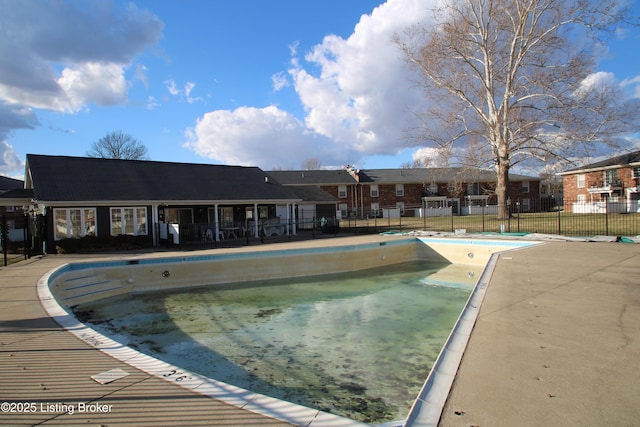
(357, 344)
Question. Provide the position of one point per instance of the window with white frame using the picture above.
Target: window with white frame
(582, 198)
(342, 207)
(400, 205)
(399, 190)
(525, 186)
(375, 209)
(635, 172)
(342, 191)
(526, 205)
(74, 223)
(581, 180)
(611, 177)
(131, 221)
(373, 190)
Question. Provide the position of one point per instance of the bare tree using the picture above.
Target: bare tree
(513, 81)
(118, 145)
(312, 163)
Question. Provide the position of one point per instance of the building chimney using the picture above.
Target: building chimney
(355, 173)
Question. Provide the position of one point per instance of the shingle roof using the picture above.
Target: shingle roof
(622, 160)
(442, 175)
(311, 193)
(60, 178)
(389, 176)
(313, 177)
(7, 183)
(17, 196)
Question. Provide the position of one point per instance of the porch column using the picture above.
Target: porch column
(255, 220)
(293, 219)
(154, 225)
(216, 224)
(288, 219)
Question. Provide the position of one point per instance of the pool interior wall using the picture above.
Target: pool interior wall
(78, 283)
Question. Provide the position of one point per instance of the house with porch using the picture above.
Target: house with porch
(606, 186)
(76, 197)
(415, 191)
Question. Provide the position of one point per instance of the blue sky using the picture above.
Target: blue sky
(248, 82)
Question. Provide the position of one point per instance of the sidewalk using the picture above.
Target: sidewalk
(557, 341)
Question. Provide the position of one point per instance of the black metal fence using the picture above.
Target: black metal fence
(573, 218)
(13, 242)
(608, 218)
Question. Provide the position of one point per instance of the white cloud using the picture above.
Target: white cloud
(601, 80)
(171, 87)
(102, 84)
(10, 161)
(362, 93)
(279, 81)
(152, 103)
(65, 56)
(184, 93)
(356, 93)
(425, 155)
(188, 88)
(76, 87)
(634, 83)
(15, 117)
(141, 75)
(268, 137)
(92, 43)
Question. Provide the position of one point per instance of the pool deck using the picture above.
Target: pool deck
(556, 342)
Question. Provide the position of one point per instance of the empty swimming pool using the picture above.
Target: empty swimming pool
(354, 344)
(232, 273)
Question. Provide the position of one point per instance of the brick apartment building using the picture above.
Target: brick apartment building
(610, 185)
(370, 192)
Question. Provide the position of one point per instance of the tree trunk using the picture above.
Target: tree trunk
(502, 186)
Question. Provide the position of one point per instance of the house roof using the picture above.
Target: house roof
(313, 194)
(16, 197)
(314, 177)
(7, 183)
(389, 176)
(628, 159)
(443, 175)
(75, 179)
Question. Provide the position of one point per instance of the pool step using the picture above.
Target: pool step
(86, 286)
